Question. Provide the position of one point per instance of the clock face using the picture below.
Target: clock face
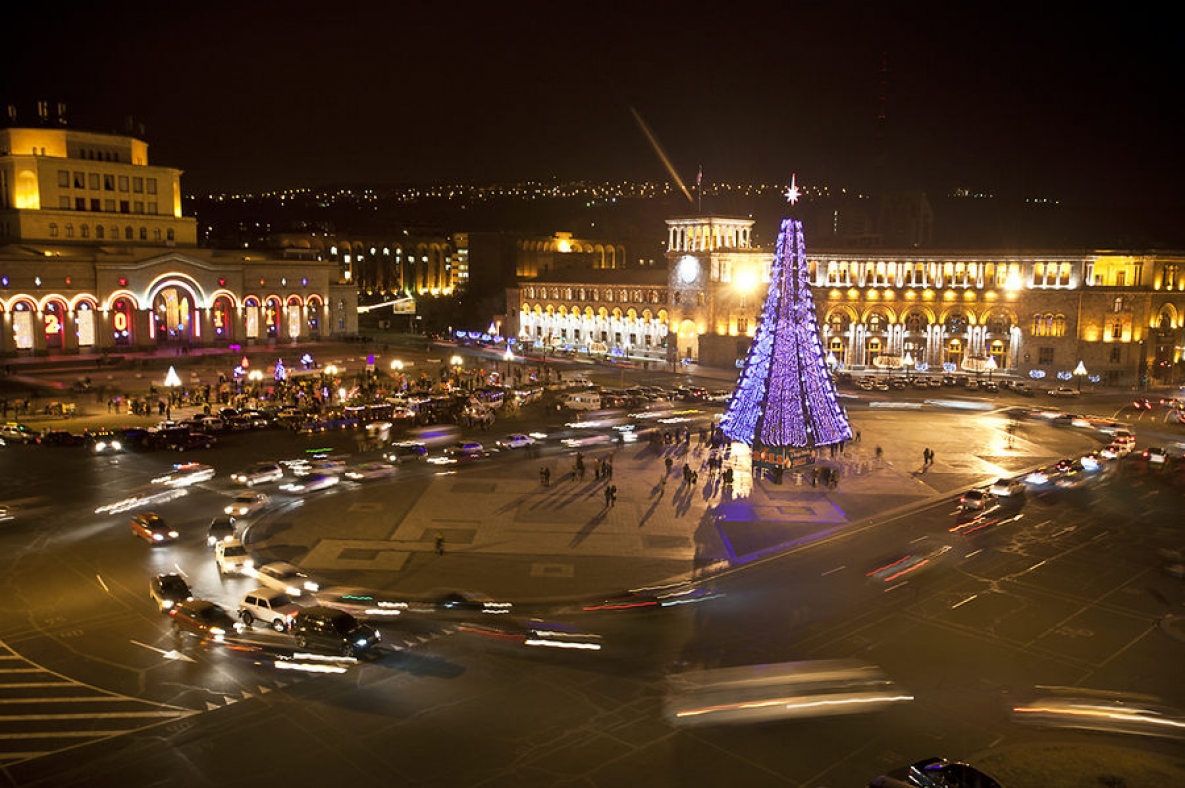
(688, 270)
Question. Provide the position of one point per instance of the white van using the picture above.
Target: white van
(584, 400)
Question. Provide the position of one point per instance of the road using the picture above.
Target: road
(1065, 589)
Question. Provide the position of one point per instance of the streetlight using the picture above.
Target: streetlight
(907, 363)
(172, 382)
(1080, 373)
(992, 366)
(457, 362)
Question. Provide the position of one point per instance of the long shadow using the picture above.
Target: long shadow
(588, 528)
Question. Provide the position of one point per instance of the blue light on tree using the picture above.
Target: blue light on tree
(785, 397)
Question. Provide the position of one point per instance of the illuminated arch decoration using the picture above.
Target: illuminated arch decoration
(174, 306)
(271, 317)
(122, 311)
(293, 317)
(222, 317)
(251, 316)
(86, 324)
(785, 399)
(53, 320)
(313, 307)
(24, 312)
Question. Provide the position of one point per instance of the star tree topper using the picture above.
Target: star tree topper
(792, 193)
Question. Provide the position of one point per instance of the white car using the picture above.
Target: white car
(312, 483)
(1062, 391)
(1156, 455)
(185, 474)
(246, 504)
(283, 576)
(516, 441)
(369, 470)
(268, 606)
(1007, 488)
(259, 473)
(322, 465)
(232, 558)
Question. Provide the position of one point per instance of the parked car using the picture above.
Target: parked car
(62, 438)
(167, 590)
(269, 606)
(203, 619)
(222, 529)
(152, 528)
(15, 432)
(327, 629)
(232, 558)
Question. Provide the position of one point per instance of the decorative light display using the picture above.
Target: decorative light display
(785, 397)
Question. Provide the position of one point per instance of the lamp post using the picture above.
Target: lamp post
(172, 382)
(456, 362)
(1080, 373)
(907, 364)
(991, 366)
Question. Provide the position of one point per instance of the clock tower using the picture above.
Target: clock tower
(700, 256)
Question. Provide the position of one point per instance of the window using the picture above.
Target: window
(1120, 278)
(152, 208)
(80, 180)
(94, 181)
(53, 229)
(137, 207)
(80, 203)
(123, 183)
(170, 236)
(69, 231)
(152, 185)
(108, 183)
(1117, 330)
(99, 232)
(109, 206)
(124, 207)
(1045, 355)
(96, 205)
(143, 233)
(85, 231)
(156, 234)
(63, 179)
(915, 322)
(1116, 354)
(742, 325)
(138, 185)
(127, 233)
(1059, 325)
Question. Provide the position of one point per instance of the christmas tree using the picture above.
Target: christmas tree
(785, 398)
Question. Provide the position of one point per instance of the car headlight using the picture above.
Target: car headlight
(248, 564)
(173, 534)
(116, 445)
(309, 585)
(158, 537)
(292, 591)
(167, 604)
(100, 446)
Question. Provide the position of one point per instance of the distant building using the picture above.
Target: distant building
(1031, 314)
(96, 256)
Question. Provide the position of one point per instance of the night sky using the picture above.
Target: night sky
(1062, 102)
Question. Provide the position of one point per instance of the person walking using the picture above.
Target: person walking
(608, 495)
(612, 495)
(439, 543)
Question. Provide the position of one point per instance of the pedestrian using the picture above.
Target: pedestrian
(667, 462)
(596, 467)
(857, 436)
(608, 494)
(613, 495)
(694, 477)
(439, 543)
(662, 485)
(879, 453)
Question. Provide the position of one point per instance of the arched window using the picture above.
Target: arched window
(1059, 326)
(915, 322)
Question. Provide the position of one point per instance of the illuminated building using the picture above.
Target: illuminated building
(96, 256)
(1032, 314)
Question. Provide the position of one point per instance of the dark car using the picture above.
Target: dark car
(62, 438)
(336, 631)
(106, 441)
(194, 440)
(222, 529)
(169, 590)
(405, 452)
(204, 619)
(936, 773)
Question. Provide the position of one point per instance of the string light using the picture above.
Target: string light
(785, 396)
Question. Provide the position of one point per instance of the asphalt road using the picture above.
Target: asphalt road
(1065, 589)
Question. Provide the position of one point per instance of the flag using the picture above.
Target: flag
(699, 179)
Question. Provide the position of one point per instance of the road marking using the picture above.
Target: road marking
(965, 601)
(105, 588)
(833, 571)
(171, 654)
(1031, 568)
(899, 585)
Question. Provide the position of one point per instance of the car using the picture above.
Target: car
(167, 590)
(1114, 451)
(587, 439)
(191, 441)
(329, 629)
(991, 387)
(283, 576)
(232, 558)
(246, 504)
(1007, 488)
(152, 528)
(15, 432)
(1022, 388)
(516, 441)
(222, 529)
(184, 474)
(312, 483)
(1042, 475)
(319, 465)
(1141, 403)
(406, 451)
(1124, 438)
(203, 619)
(465, 450)
(369, 470)
(62, 438)
(972, 385)
(106, 441)
(1062, 391)
(270, 606)
(974, 500)
(936, 773)
(1155, 455)
(259, 473)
